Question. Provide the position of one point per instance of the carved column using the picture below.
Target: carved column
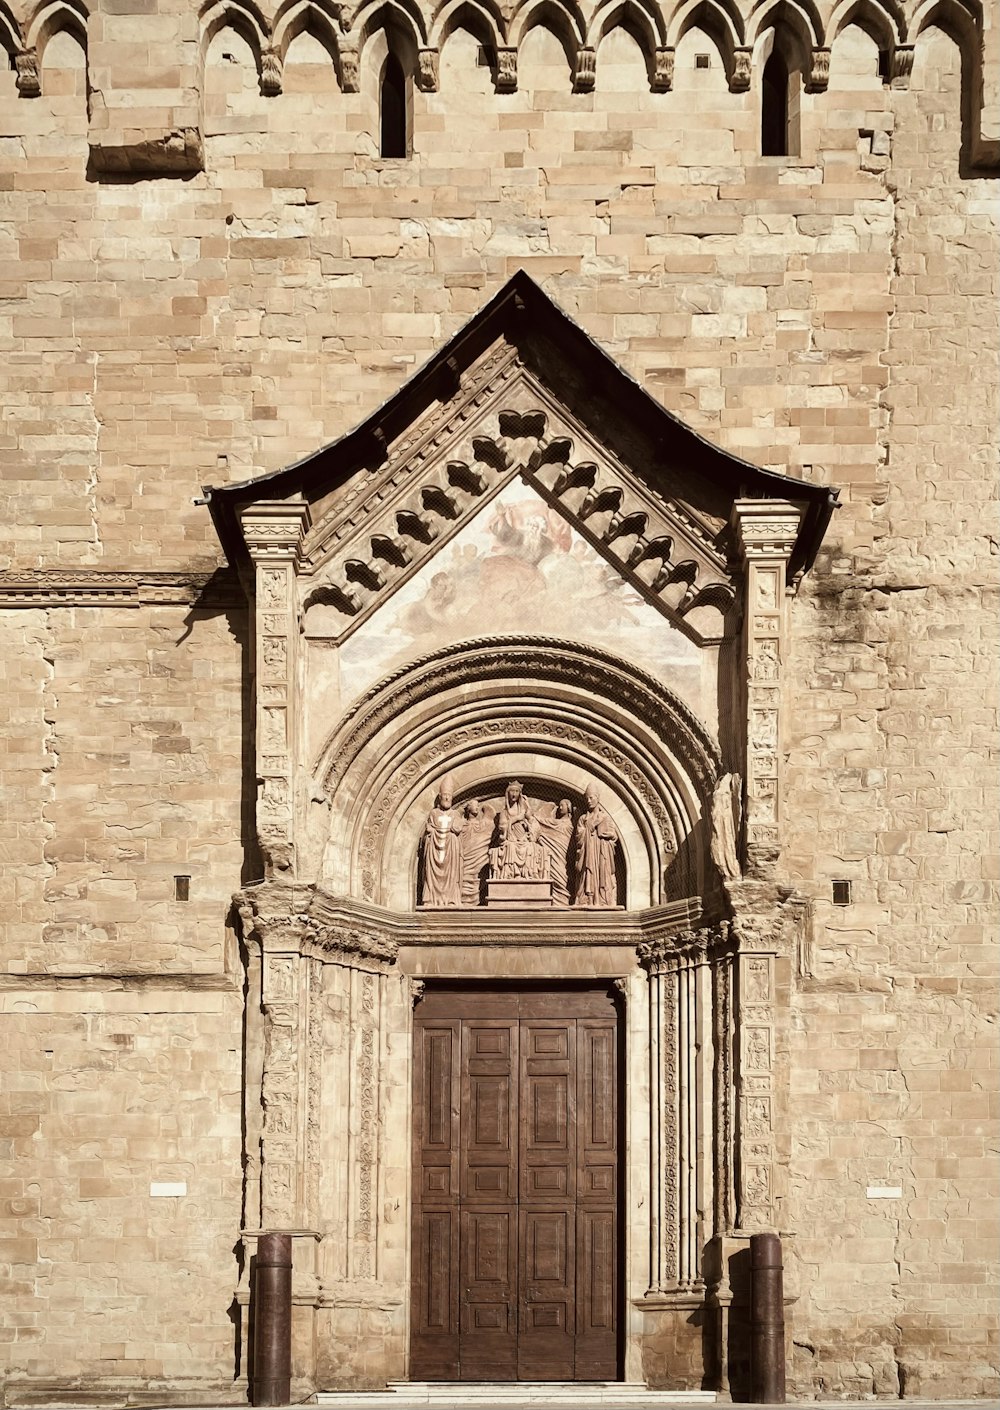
(273, 533)
(766, 531)
(659, 961)
(681, 1070)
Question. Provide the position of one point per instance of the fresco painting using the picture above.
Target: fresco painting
(520, 568)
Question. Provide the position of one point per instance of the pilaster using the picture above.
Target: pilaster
(766, 531)
(273, 533)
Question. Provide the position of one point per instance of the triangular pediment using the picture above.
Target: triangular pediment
(521, 393)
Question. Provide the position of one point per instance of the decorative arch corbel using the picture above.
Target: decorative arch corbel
(564, 20)
(723, 23)
(247, 20)
(481, 18)
(645, 25)
(306, 17)
(579, 711)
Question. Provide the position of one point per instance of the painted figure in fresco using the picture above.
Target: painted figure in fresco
(595, 841)
(517, 851)
(477, 833)
(441, 857)
(556, 835)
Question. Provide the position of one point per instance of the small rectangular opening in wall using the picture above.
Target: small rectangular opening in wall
(841, 893)
(703, 61)
(884, 64)
(485, 57)
(182, 888)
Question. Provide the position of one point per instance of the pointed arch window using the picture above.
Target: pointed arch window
(393, 124)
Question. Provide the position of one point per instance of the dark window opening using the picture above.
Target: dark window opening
(774, 108)
(392, 109)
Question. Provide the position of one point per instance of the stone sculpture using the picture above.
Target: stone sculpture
(441, 859)
(556, 835)
(516, 850)
(477, 834)
(595, 842)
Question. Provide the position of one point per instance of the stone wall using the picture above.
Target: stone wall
(219, 305)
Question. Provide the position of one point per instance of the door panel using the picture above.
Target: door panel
(516, 1190)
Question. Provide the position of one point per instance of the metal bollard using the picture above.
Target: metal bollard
(767, 1321)
(272, 1320)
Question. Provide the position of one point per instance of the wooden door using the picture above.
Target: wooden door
(516, 1186)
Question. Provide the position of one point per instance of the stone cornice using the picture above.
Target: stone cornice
(80, 587)
(310, 920)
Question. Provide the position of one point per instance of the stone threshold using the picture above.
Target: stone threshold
(538, 1395)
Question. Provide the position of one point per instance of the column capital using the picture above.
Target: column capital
(273, 529)
(766, 528)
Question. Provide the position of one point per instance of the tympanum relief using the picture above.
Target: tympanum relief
(517, 849)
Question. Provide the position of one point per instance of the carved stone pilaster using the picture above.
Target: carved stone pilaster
(739, 80)
(663, 70)
(585, 70)
(755, 1091)
(26, 65)
(766, 531)
(273, 533)
(681, 1064)
(427, 70)
(818, 78)
(270, 72)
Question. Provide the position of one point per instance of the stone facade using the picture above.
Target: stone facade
(224, 722)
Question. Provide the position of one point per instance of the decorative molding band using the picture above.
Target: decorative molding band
(486, 659)
(55, 587)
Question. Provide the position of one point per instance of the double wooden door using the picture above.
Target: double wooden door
(516, 1186)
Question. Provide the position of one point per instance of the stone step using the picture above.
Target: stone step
(534, 1395)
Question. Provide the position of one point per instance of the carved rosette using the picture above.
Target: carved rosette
(273, 533)
(766, 532)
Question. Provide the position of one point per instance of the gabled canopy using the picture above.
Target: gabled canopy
(678, 464)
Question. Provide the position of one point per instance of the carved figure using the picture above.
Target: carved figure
(441, 870)
(595, 842)
(477, 833)
(556, 835)
(517, 851)
(726, 820)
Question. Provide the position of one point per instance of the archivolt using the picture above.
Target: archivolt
(576, 710)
